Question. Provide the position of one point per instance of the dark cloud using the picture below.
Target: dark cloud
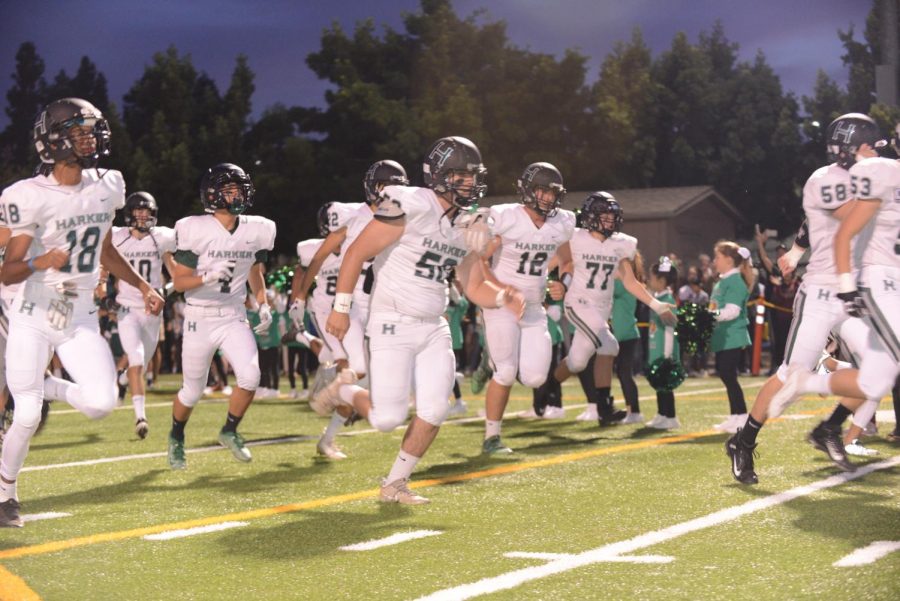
(798, 37)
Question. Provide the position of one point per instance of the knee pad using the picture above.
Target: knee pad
(386, 421)
(28, 412)
(505, 375)
(247, 376)
(136, 357)
(190, 393)
(781, 374)
(103, 399)
(433, 413)
(577, 364)
(875, 388)
(533, 380)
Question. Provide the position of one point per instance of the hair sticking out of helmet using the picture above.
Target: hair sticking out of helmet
(453, 167)
(381, 174)
(226, 186)
(140, 201)
(846, 135)
(544, 180)
(325, 219)
(71, 130)
(601, 213)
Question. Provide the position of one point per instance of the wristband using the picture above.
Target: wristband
(657, 306)
(501, 299)
(342, 302)
(30, 264)
(846, 283)
(566, 280)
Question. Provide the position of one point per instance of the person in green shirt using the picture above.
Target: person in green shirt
(624, 327)
(663, 343)
(456, 311)
(729, 301)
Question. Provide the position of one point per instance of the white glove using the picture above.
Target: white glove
(224, 272)
(296, 313)
(477, 228)
(265, 320)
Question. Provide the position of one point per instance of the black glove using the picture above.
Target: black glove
(854, 304)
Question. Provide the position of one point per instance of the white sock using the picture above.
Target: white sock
(8, 491)
(138, 402)
(491, 428)
(818, 383)
(403, 467)
(332, 428)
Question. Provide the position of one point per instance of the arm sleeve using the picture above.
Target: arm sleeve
(728, 312)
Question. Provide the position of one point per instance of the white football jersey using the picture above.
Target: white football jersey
(203, 243)
(146, 256)
(73, 218)
(596, 263)
(879, 242)
(357, 223)
(827, 189)
(526, 250)
(411, 274)
(340, 214)
(307, 249)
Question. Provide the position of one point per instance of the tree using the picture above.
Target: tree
(24, 99)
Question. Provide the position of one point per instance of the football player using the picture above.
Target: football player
(216, 256)
(600, 253)
(348, 352)
(528, 235)
(417, 236)
(869, 287)
(817, 308)
(62, 217)
(147, 247)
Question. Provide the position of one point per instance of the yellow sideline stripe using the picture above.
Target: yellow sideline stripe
(93, 539)
(13, 588)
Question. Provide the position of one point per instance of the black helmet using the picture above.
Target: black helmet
(597, 204)
(217, 178)
(544, 175)
(846, 134)
(51, 131)
(454, 154)
(140, 200)
(386, 173)
(324, 219)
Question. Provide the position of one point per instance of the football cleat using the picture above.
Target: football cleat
(177, 460)
(9, 514)
(329, 449)
(858, 450)
(612, 419)
(590, 414)
(398, 492)
(328, 399)
(741, 459)
(141, 428)
(234, 442)
(494, 446)
(827, 438)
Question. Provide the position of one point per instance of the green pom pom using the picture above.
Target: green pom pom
(665, 374)
(695, 327)
(281, 278)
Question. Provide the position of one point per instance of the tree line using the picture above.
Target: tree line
(694, 114)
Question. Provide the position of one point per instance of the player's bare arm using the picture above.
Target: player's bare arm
(377, 236)
(115, 263)
(632, 285)
(16, 269)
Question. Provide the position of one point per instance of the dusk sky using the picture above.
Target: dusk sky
(798, 37)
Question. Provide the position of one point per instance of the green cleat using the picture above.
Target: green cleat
(494, 445)
(234, 442)
(177, 460)
(482, 374)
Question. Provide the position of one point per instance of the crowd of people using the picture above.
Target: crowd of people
(404, 293)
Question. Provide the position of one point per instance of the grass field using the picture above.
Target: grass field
(575, 513)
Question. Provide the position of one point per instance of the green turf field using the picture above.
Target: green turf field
(575, 513)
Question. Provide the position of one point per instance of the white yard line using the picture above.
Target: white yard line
(193, 531)
(50, 515)
(613, 551)
(868, 554)
(288, 439)
(394, 539)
